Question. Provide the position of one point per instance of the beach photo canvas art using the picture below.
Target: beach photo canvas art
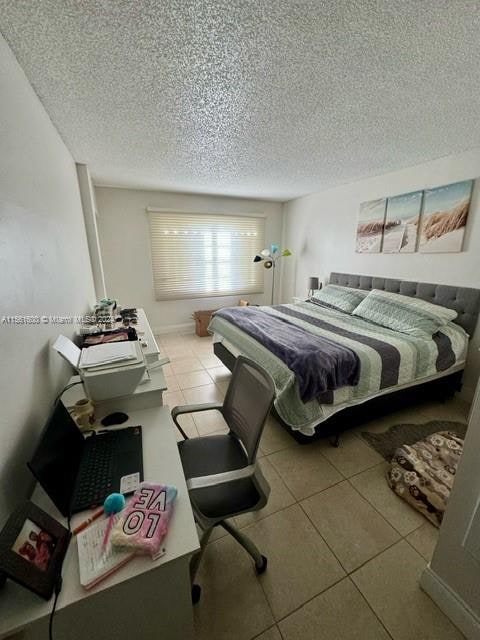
(444, 219)
(401, 223)
(371, 219)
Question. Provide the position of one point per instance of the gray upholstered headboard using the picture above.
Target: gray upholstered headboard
(465, 301)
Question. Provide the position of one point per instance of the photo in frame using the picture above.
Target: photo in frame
(371, 220)
(32, 548)
(402, 221)
(444, 218)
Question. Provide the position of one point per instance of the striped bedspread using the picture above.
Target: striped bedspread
(387, 358)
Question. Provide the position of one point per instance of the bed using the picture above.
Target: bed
(388, 361)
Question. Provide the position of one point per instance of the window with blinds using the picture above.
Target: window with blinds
(197, 255)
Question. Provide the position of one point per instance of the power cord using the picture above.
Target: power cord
(66, 388)
(58, 588)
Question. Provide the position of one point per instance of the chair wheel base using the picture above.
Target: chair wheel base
(196, 593)
(263, 566)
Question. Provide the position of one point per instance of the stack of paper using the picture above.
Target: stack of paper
(95, 562)
(109, 353)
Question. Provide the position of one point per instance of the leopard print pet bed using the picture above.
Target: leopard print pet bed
(423, 473)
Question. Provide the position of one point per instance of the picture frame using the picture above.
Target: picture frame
(370, 226)
(445, 216)
(32, 548)
(402, 222)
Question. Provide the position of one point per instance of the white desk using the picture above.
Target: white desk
(145, 333)
(144, 599)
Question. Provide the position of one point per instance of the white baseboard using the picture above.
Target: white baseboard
(451, 604)
(174, 328)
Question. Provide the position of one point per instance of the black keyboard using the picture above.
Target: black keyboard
(96, 472)
(105, 460)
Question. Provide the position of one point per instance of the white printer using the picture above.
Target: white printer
(107, 370)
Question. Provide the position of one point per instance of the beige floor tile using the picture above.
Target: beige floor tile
(456, 410)
(271, 634)
(167, 369)
(193, 379)
(352, 456)
(209, 422)
(206, 393)
(373, 486)
(186, 365)
(390, 583)
(424, 539)
(178, 352)
(168, 339)
(214, 433)
(223, 386)
(349, 524)
(304, 470)
(205, 341)
(404, 416)
(300, 565)
(209, 360)
(279, 498)
(173, 398)
(232, 604)
(217, 533)
(188, 427)
(340, 613)
(176, 341)
(172, 383)
(219, 374)
(199, 342)
(274, 437)
(192, 338)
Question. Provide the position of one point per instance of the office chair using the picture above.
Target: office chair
(223, 478)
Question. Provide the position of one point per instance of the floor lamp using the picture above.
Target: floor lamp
(269, 258)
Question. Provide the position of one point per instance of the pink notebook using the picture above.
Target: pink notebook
(143, 524)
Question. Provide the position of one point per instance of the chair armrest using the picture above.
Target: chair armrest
(220, 478)
(192, 408)
(195, 408)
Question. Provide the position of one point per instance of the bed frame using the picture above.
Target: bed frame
(465, 301)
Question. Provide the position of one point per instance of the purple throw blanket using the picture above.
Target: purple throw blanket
(318, 363)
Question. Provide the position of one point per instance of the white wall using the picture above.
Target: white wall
(320, 229)
(125, 244)
(44, 269)
(89, 206)
(453, 578)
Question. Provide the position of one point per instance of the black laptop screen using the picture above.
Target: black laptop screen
(56, 460)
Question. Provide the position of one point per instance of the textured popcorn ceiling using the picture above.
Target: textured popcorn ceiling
(262, 98)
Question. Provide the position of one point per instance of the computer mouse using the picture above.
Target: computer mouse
(114, 418)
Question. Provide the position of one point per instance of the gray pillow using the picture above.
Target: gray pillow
(342, 298)
(412, 316)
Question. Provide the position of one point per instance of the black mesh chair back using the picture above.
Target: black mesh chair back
(247, 403)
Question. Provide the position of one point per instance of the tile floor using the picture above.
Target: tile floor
(344, 553)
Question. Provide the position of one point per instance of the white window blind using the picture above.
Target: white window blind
(197, 255)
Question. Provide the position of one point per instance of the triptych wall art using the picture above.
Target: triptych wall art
(429, 221)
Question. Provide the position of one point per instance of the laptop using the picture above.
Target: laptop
(78, 473)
